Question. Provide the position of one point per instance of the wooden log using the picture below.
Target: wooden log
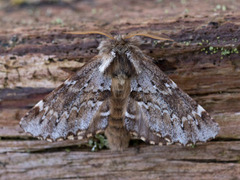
(36, 57)
(217, 160)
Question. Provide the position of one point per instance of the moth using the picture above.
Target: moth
(123, 94)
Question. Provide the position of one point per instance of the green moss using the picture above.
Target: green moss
(187, 43)
(193, 146)
(98, 142)
(186, 11)
(220, 7)
(58, 21)
(235, 50)
(225, 52)
(94, 11)
(183, 1)
(213, 50)
(67, 150)
(155, 42)
(18, 2)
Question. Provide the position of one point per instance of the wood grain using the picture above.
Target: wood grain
(215, 160)
(36, 56)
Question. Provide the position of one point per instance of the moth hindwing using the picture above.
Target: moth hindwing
(122, 93)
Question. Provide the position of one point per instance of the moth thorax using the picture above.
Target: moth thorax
(120, 87)
(120, 67)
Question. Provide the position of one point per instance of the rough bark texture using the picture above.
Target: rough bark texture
(36, 56)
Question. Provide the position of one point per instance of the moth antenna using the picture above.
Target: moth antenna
(91, 32)
(148, 35)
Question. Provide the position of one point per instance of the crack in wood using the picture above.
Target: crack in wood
(206, 161)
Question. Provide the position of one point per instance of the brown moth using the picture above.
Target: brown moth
(122, 93)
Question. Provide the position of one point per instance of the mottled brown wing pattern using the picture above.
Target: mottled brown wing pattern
(136, 124)
(158, 108)
(75, 110)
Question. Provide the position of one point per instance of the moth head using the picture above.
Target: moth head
(120, 45)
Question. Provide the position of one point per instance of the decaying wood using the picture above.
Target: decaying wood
(36, 56)
(215, 160)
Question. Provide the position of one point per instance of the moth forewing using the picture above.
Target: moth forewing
(122, 93)
(167, 110)
(78, 106)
